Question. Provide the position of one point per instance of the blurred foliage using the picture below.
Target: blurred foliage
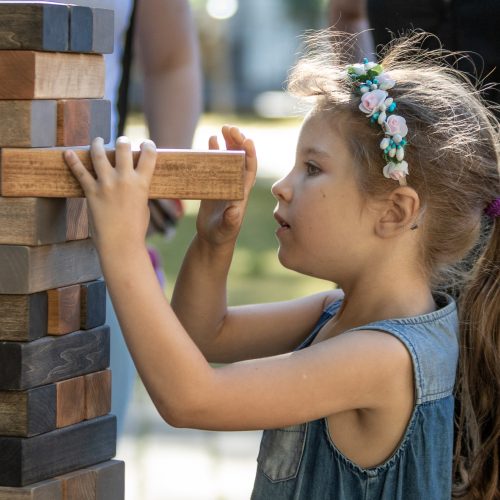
(308, 13)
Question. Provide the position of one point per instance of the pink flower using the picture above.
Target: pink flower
(385, 82)
(371, 101)
(395, 125)
(396, 171)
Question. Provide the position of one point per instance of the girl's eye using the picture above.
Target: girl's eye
(312, 169)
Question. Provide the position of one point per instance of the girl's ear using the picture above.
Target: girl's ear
(401, 212)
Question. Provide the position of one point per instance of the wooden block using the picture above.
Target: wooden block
(28, 413)
(77, 219)
(34, 26)
(24, 365)
(28, 124)
(79, 121)
(97, 394)
(64, 310)
(25, 270)
(44, 490)
(70, 401)
(27, 460)
(91, 30)
(181, 174)
(23, 317)
(105, 481)
(92, 304)
(31, 75)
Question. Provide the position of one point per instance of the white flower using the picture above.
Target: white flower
(359, 69)
(370, 65)
(371, 101)
(396, 124)
(396, 171)
(385, 82)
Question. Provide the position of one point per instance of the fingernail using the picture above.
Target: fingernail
(123, 139)
(70, 155)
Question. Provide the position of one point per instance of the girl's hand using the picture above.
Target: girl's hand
(118, 196)
(219, 222)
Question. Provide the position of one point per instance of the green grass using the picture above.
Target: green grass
(256, 274)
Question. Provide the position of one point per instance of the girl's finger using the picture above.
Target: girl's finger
(213, 143)
(123, 155)
(250, 164)
(82, 175)
(147, 160)
(99, 159)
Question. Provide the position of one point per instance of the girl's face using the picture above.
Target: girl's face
(324, 228)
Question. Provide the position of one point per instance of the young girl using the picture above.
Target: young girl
(395, 166)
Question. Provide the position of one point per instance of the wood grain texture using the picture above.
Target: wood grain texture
(25, 461)
(31, 75)
(25, 270)
(24, 365)
(92, 304)
(23, 317)
(77, 219)
(181, 174)
(28, 124)
(70, 401)
(79, 121)
(91, 30)
(97, 394)
(44, 490)
(28, 413)
(34, 26)
(64, 310)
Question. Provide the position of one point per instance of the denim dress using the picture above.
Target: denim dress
(301, 462)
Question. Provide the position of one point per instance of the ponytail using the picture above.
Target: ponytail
(477, 444)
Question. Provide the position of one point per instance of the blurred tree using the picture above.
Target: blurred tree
(308, 13)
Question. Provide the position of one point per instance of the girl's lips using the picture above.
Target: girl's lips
(282, 222)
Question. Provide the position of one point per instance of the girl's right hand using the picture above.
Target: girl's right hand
(219, 222)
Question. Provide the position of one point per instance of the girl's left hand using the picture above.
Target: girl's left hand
(118, 196)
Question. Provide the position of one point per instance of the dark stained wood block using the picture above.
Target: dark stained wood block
(30, 75)
(28, 124)
(64, 310)
(34, 26)
(184, 174)
(70, 401)
(91, 30)
(92, 304)
(24, 365)
(23, 317)
(25, 270)
(77, 219)
(25, 461)
(44, 490)
(79, 121)
(97, 394)
(27, 413)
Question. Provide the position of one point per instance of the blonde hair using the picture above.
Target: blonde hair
(453, 153)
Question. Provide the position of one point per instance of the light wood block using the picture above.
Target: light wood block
(24, 365)
(79, 121)
(31, 75)
(25, 461)
(23, 317)
(105, 481)
(181, 174)
(28, 413)
(34, 26)
(91, 30)
(70, 401)
(97, 394)
(25, 270)
(28, 124)
(44, 490)
(92, 304)
(64, 310)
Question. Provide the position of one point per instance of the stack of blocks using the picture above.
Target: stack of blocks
(56, 437)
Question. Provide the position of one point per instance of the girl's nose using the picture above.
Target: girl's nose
(282, 189)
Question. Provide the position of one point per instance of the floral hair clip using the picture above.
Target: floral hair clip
(372, 83)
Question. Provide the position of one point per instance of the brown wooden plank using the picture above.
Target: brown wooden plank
(92, 304)
(181, 174)
(25, 270)
(23, 317)
(28, 124)
(31, 75)
(64, 310)
(70, 401)
(34, 26)
(77, 219)
(45, 490)
(97, 394)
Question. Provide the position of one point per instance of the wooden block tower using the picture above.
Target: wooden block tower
(57, 439)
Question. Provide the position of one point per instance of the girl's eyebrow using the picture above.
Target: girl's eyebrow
(316, 152)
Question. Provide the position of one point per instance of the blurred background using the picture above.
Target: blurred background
(247, 48)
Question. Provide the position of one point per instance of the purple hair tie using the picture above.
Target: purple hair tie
(493, 209)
